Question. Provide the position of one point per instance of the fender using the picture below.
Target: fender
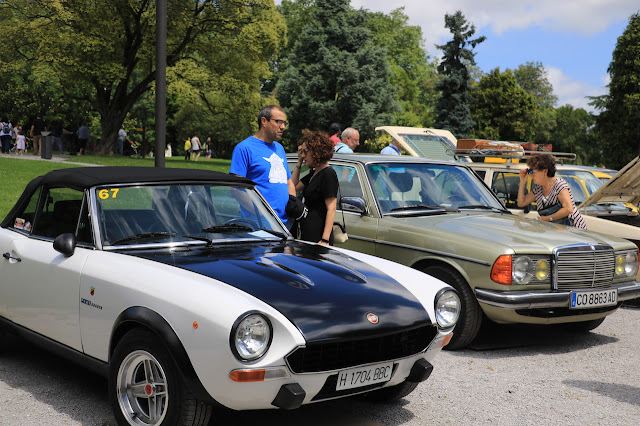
(138, 316)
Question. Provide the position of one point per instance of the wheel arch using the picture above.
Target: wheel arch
(145, 318)
(432, 261)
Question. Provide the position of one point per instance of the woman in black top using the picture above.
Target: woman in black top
(319, 187)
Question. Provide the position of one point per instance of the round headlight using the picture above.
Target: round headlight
(447, 308)
(251, 336)
(522, 270)
(631, 263)
(542, 270)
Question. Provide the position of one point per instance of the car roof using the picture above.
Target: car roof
(87, 177)
(379, 158)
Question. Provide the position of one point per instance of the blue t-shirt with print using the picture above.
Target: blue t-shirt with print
(266, 165)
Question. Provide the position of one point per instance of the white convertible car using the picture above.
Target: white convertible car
(186, 291)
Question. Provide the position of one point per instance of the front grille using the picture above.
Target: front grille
(329, 356)
(584, 266)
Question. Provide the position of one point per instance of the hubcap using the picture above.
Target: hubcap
(142, 389)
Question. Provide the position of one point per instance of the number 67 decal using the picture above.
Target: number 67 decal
(108, 193)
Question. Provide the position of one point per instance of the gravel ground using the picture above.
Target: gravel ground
(514, 375)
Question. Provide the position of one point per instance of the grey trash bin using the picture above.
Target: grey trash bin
(46, 146)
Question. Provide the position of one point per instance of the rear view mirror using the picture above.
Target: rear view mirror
(353, 204)
(65, 244)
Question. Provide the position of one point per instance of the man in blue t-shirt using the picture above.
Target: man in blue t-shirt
(263, 160)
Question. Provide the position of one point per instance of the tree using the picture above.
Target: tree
(619, 123)
(574, 133)
(102, 51)
(502, 109)
(412, 72)
(336, 73)
(452, 109)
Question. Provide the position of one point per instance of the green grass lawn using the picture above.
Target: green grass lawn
(16, 173)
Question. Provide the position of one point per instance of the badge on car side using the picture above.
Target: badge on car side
(372, 318)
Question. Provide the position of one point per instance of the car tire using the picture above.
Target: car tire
(145, 386)
(392, 393)
(468, 325)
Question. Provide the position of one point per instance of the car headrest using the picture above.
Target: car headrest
(401, 182)
(67, 209)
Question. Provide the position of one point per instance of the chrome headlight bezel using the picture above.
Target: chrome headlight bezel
(626, 263)
(530, 269)
(251, 336)
(447, 308)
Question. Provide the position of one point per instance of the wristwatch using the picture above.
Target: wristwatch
(550, 218)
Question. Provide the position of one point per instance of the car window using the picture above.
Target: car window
(58, 212)
(23, 221)
(404, 186)
(349, 181)
(506, 185)
(161, 213)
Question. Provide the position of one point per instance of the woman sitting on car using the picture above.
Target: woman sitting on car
(551, 194)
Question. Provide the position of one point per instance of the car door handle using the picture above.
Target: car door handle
(8, 257)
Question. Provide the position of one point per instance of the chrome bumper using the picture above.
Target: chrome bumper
(531, 300)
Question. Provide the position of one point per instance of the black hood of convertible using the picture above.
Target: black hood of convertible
(324, 292)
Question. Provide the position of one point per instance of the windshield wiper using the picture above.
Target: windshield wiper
(423, 207)
(230, 227)
(281, 235)
(143, 236)
(481, 206)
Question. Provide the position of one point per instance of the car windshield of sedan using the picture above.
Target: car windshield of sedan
(158, 214)
(401, 188)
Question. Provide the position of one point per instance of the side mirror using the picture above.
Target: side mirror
(65, 244)
(353, 204)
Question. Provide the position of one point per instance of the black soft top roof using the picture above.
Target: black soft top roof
(87, 177)
(82, 178)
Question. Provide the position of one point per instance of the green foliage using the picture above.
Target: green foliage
(452, 109)
(102, 51)
(574, 133)
(619, 123)
(412, 72)
(336, 73)
(502, 109)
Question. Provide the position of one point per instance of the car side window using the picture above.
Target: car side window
(24, 220)
(349, 181)
(58, 212)
(506, 185)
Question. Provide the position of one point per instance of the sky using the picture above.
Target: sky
(573, 39)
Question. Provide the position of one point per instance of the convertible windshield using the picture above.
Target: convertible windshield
(160, 214)
(436, 188)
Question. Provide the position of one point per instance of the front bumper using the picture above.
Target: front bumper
(537, 300)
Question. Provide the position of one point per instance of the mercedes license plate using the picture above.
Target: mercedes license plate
(364, 376)
(593, 299)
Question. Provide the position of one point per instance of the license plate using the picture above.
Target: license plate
(591, 299)
(364, 376)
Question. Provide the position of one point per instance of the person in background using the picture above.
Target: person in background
(187, 149)
(262, 159)
(6, 129)
(83, 138)
(37, 128)
(392, 149)
(195, 148)
(21, 143)
(57, 135)
(334, 131)
(207, 149)
(350, 140)
(122, 135)
(319, 187)
(548, 190)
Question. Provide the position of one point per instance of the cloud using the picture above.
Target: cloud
(571, 91)
(584, 17)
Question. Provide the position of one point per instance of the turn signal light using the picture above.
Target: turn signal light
(501, 270)
(247, 375)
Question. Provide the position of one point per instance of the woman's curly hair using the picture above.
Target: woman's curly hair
(319, 145)
(543, 161)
